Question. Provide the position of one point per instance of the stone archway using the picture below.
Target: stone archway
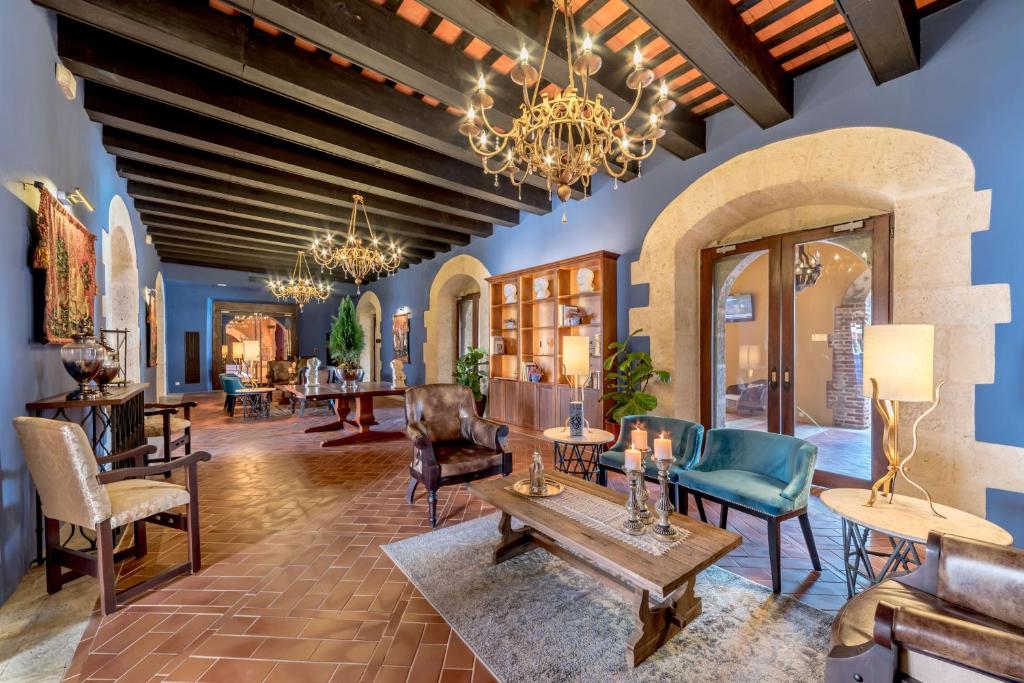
(457, 276)
(928, 184)
(161, 338)
(367, 310)
(121, 284)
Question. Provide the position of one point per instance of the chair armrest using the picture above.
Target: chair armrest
(137, 455)
(137, 472)
(484, 432)
(972, 644)
(798, 483)
(187, 406)
(424, 447)
(162, 410)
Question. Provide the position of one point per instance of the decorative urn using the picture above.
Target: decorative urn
(83, 359)
(109, 369)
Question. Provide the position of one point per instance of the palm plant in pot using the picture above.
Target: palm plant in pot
(469, 372)
(629, 373)
(346, 342)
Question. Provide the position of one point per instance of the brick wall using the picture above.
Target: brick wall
(844, 395)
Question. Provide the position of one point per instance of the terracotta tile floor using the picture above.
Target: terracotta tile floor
(295, 586)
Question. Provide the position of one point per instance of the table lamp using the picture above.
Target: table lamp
(576, 368)
(251, 352)
(237, 350)
(898, 366)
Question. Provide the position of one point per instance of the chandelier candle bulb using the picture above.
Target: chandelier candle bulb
(662, 448)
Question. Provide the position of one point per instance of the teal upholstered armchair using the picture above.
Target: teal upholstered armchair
(231, 384)
(765, 475)
(686, 439)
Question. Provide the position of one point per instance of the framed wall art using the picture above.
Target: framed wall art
(400, 336)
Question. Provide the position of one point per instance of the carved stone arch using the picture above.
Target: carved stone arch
(121, 284)
(457, 276)
(367, 310)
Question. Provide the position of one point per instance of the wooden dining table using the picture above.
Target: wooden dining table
(344, 396)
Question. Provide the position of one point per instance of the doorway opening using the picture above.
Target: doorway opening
(121, 287)
(784, 319)
(368, 311)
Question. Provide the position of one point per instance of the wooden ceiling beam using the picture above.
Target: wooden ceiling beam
(397, 217)
(887, 33)
(166, 202)
(507, 25)
(116, 62)
(146, 117)
(712, 36)
(170, 253)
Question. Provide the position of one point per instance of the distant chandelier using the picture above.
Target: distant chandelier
(300, 287)
(807, 268)
(567, 138)
(355, 257)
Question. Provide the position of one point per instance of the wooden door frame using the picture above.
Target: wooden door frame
(782, 320)
(221, 306)
(475, 298)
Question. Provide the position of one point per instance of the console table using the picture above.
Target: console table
(344, 395)
(578, 454)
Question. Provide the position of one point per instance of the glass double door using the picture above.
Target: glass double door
(782, 325)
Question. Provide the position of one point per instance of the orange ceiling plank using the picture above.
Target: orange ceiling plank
(612, 10)
(634, 30)
(431, 101)
(265, 27)
(224, 7)
(447, 32)
(654, 48)
(669, 65)
(794, 17)
(477, 49)
(801, 38)
(455, 111)
(404, 89)
(800, 60)
(503, 64)
(697, 92)
(682, 80)
(305, 45)
(551, 90)
(374, 76)
(413, 12)
(338, 59)
(710, 104)
(761, 9)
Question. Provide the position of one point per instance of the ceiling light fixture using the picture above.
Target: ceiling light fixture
(355, 257)
(300, 287)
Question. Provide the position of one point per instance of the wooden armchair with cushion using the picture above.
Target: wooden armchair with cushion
(162, 422)
(451, 443)
(73, 490)
(958, 617)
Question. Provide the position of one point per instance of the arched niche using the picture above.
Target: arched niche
(458, 276)
(368, 311)
(161, 338)
(121, 284)
(928, 185)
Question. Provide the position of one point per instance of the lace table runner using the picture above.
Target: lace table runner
(606, 517)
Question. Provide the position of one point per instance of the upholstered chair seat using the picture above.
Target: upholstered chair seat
(73, 490)
(451, 443)
(154, 426)
(765, 475)
(163, 422)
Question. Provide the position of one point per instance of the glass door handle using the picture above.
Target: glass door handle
(786, 379)
(773, 380)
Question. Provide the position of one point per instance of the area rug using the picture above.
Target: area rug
(535, 618)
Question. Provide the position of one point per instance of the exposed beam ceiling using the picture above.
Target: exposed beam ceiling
(713, 37)
(888, 34)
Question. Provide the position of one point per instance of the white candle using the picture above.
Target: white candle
(640, 439)
(632, 460)
(663, 448)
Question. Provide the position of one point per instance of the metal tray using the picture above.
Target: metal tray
(522, 488)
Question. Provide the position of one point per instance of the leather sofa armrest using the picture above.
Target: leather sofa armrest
(979, 646)
(484, 432)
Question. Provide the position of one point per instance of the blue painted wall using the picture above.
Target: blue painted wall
(42, 136)
(190, 293)
(967, 92)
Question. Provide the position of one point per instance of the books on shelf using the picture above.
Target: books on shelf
(570, 315)
(497, 346)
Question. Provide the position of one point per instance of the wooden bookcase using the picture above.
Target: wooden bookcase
(531, 329)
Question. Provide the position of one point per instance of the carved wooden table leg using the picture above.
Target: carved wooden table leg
(655, 625)
(513, 542)
(341, 408)
(364, 413)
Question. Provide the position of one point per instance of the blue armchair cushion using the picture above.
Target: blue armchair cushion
(686, 440)
(230, 383)
(767, 472)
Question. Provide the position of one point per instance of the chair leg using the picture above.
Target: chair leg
(302, 409)
(432, 505)
(700, 508)
(140, 546)
(602, 475)
(192, 484)
(413, 483)
(682, 500)
(105, 567)
(723, 520)
(805, 525)
(774, 558)
(53, 570)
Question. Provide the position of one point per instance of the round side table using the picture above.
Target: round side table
(905, 522)
(578, 455)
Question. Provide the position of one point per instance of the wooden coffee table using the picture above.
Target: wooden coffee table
(343, 395)
(661, 586)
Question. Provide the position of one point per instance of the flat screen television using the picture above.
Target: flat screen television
(739, 308)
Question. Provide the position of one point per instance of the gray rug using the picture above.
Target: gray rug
(535, 618)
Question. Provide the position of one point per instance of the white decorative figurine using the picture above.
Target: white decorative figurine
(510, 293)
(540, 288)
(397, 374)
(585, 279)
(313, 372)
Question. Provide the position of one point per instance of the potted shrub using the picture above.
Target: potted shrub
(629, 373)
(468, 372)
(347, 341)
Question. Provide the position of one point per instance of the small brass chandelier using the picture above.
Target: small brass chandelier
(355, 257)
(567, 138)
(300, 287)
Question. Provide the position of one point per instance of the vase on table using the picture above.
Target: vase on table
(83, 359)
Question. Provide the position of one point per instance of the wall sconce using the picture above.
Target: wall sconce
(66, 81)
(68, 199)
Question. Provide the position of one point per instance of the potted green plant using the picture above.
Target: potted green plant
(346, 342)
(468, 372)
(629, 372)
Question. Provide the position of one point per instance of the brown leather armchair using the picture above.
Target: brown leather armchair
(959, 617)
(451, 443)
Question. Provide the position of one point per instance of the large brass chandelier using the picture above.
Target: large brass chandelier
(354, 256)
(567, 138)
(300, 287)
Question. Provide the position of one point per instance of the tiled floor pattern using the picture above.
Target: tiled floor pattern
(840, 450)
(295, 586)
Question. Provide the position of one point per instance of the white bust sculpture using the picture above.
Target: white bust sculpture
(397, 374)
(313, 372)
(540, 288)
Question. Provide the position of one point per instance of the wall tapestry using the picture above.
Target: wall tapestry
(400, 336)
(67, 252)
(151, 329)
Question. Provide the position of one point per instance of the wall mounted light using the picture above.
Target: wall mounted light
(66, 81)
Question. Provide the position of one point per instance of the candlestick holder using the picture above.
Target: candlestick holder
(664, 507)
(632, 525)
(643, 496)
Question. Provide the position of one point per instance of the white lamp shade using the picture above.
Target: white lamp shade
(251, 350)
(223, 350)
(237, 349)
(576, 356)
(750, 356)
(900, 358)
